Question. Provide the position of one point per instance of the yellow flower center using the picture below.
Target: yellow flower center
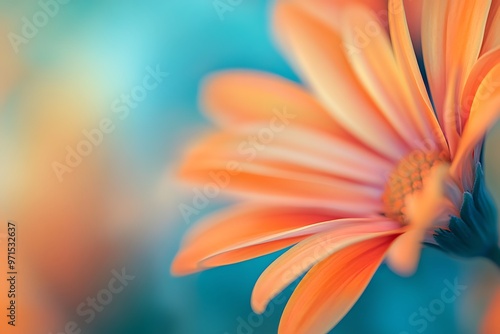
(407, 178)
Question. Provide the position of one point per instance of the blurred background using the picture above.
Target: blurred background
(81, 220)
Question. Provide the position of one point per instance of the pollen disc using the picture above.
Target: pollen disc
(407, 178)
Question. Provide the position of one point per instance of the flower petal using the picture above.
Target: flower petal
(480, 70)
(330, 288)
(290, 170)
(300, 258)
(407, 61)
(433, 39)
(377, 70)
(238, 99)
(448, 67)
(484, 112)
(292, 149)
(492, 31)
(242, 227)
(466, 22)
(319, 53)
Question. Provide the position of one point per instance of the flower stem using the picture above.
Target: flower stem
(494, 255)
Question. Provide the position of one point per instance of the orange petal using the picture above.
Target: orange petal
(332, 287)
(453, 20)
(243, 253)
(238, 99)
(405, 252)
(296, 189)
(492, 31)
(451, 115)
(466, 22)
(332, 11)
(290, 170)
(295, 149)
(484, 112)
(243, 227)
(482, 67)
(433, 42)
(407, 61)
(319, 53)
(377, 70)
(300, 258)
(414, 17)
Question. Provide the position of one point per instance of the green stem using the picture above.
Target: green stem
(494, 255)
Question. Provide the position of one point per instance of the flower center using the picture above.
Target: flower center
(407, 178)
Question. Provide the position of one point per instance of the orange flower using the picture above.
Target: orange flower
(359, 164)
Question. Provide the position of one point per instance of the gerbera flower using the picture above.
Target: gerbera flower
(366, 161)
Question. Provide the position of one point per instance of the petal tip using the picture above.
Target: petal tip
(182, 267)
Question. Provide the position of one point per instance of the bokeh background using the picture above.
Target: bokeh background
(119, 208)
